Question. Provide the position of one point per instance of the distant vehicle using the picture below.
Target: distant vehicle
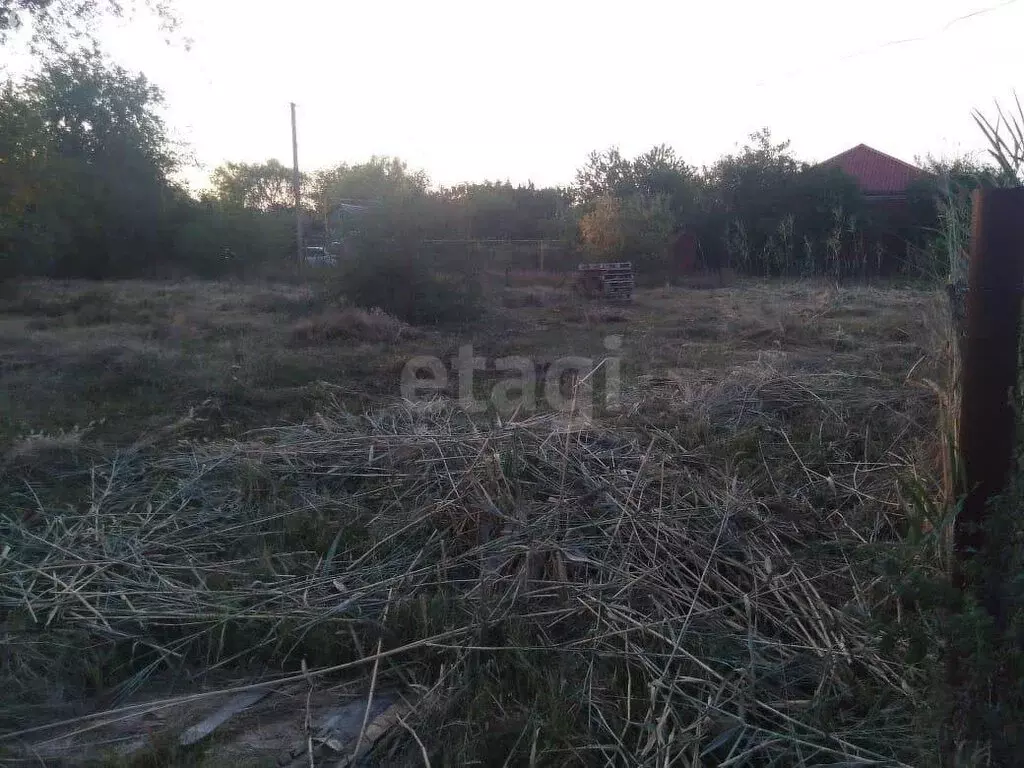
(319, 257)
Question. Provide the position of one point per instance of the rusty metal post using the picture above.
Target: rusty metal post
(987, 428)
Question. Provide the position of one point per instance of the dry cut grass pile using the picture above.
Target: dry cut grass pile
(351, 323)
(535, 595)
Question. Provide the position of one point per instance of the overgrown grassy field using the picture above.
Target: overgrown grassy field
(214, 489)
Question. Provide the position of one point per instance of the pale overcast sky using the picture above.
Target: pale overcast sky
(524, 90)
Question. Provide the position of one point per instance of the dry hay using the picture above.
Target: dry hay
(558, 596)
(351, 323)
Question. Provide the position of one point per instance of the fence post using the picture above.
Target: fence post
(985, 439)
(987, 424)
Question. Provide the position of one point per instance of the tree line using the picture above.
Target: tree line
(87, 190)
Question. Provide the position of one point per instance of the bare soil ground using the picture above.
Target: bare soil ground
(209, 486)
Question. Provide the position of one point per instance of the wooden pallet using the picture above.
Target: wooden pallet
(611, 280)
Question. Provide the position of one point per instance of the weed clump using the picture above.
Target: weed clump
(395, 276)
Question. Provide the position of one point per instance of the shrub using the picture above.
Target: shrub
(403, 285)
(214, 239)
(390, 270)
(601, 229)
(637, 229)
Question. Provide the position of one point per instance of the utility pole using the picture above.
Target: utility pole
(296, 187)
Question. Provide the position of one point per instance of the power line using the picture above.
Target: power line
(893, 43)
(979, 12)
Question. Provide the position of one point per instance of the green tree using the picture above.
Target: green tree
(637, 228)
(396, 197)
(605, 174)
(630, 209)
(260, 186)
(766, 212)
(381, 179)
(940, 207)
(753, 184)
(214, 239)
(601, 229)
(659, 171)
(499, 210)
(55, 22)
(648, 224)
(83, 184)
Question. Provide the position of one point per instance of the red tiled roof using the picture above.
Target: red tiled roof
(876, 172)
